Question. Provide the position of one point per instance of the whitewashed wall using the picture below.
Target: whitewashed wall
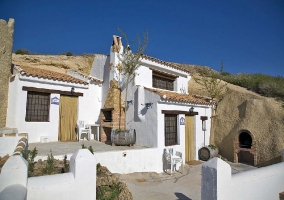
(130, 161)
(98, 66)
(149, 123)
(262, 183)
(17, 106)
(198, 133)
(144, 77)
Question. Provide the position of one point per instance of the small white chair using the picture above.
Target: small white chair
(82, 128)
(173, 160)
(178, 159)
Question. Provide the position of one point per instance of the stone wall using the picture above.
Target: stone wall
(6, 45)
(112, 103)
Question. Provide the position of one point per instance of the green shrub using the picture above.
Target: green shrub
(22, 51)
(69, 53)
(30, 156)
(263, 84)
(49, 168)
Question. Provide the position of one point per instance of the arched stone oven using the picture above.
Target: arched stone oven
(245, 148)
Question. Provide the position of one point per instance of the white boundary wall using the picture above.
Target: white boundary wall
(79, 183)
(130, 161)
(262, 183)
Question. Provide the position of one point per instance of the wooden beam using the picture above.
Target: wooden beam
(177, 112)
(33, 89)
(163, 75)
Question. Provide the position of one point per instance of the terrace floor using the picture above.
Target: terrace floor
(59, 149)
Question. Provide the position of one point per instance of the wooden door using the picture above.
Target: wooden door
(68, 118)
(189, 138)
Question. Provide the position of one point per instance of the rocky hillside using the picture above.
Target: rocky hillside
(58, 63)
(241, 109)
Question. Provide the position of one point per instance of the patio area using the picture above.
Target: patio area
(60, 149)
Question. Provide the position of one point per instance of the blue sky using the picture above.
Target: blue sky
(248, 35)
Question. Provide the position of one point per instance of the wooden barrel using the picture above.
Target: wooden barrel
(206, 153)
(123, 138)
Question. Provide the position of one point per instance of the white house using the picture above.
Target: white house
(47, 104)
(160, 111)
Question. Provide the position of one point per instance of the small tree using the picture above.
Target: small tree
(129, 63)
(208, 78)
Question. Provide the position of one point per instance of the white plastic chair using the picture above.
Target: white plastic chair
(177, 159)
(173, 160)
(82, 128)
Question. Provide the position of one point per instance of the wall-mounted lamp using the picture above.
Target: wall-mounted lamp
(129, 103)
(148, 105)
(191, 110)
(72, 90)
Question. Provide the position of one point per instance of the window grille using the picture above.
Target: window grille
(170, 130)
(163, 83)
(37, 107)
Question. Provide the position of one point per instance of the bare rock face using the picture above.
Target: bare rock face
(263, 117)
(58, 63)
(6, 46)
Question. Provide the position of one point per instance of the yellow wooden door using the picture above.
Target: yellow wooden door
(189, 138)
(68, 118)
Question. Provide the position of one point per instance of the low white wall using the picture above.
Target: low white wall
(79, 183)
(14, 172)
(262, 183)
(7, 145)
(130, 161)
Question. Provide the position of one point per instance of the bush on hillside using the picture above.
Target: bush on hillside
(22, 51)
(263, 84)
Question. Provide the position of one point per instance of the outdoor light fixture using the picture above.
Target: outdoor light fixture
(129, 103)
(72, 90)
(203, 119)
(191, 110)
(148, 105)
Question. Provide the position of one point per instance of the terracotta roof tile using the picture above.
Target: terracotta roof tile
(165, 63)
(174, 96)
(42, 73)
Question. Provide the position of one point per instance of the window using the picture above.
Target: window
(163, 83)
(163, 80)
(37, 108)
(170, 129)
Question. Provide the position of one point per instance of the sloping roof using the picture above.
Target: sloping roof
(42, 73)
(91, 78)
(174, 96)
(172, 65)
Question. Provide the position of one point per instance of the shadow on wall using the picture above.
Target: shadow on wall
(181, 196)
(138, 112)
(226, 146)
(276, 160)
